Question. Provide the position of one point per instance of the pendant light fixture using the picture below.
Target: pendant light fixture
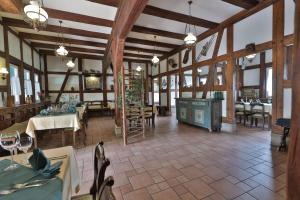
(36, 15)
(3, 72)
(155, 59)
(61, 50)
(71, 64)
(190, 38)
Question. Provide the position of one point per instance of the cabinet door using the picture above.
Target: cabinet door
(201, 114)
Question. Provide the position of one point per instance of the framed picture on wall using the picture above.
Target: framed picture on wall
(93, 82)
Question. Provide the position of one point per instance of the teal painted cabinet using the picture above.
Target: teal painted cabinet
(206, 113)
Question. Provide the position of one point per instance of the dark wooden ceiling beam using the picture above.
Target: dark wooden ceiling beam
(151, 43)
(46, 47)
(56, 29)
(167, 14)
(246, 4)
(11, 6)
(59, 14)
(152, 31)
(67, 41)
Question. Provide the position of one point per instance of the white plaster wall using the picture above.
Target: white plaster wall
(73, 81)
(187, 94)
(14, 45)
(88, 64)
(36, 58)
(57, 64)
(163, 99)
(257, 28)
(269, 56)
(175, 57)
(251, 77)
(1, 38)
(2, 63)
(27, 54)
(109, 81)
(190, 58)
(289, 8)
(154, 70)
(42, 64)
(110, 96)
(287, 102)
(93, 97)
(56, 80)
(163, 66)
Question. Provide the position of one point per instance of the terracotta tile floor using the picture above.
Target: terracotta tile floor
(182, 162)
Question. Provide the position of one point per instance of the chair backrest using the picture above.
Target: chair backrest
(239, 107)
(105, 192)
(99, 157)
(257, 108)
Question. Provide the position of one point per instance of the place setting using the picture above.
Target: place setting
(28, 177)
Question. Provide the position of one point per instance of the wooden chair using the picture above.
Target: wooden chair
(240, 112)
(100, 165)
(258, 113)
(105, 192)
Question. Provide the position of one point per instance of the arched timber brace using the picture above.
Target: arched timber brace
(293, 172)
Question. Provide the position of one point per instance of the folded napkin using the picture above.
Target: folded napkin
(41, 164)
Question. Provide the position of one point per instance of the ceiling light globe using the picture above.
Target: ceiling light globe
(139, 68)
(70, 64)
(35, 12)
(155, 60)
(61, 51)
(3, 70)
(251, 57)
(190, 39)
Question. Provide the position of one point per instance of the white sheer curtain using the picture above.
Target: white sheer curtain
(269, 82)
(15, 86)
(28, 87)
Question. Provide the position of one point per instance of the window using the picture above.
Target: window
(156, 91)
(202, 73)
(37, 88)
(174, 88)
(188, 79)
(15, 83)
(27, 84)
(269, 81)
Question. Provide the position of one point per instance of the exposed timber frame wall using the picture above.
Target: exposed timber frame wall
(230, 56)
(20, 63)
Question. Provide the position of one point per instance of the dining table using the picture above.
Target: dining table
(50, 122)
(65, 184)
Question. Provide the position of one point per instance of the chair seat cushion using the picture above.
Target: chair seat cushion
(83, 197)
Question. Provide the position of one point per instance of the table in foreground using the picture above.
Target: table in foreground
(53, 122)
(68, 176)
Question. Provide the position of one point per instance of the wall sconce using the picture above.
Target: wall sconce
(3, 72)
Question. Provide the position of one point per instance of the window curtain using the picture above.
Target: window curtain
(15, 86)
(28, 87)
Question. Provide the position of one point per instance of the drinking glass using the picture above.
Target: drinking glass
(24, 145)
(9, 142)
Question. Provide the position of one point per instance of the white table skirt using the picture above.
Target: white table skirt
(52, 122)
(268, 107)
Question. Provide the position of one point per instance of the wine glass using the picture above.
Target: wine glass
(24, 145)
(9, 142)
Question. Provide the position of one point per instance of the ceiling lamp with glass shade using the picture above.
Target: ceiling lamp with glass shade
(155, 59)
(61, 50)
(35, 15)
(190, 38)
(71, 64)
(3, 72)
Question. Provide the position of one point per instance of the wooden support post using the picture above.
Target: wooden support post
(21, 74)
(210, 78)
(46, 75)
(80, 79)
(229, 76)
(263, 82)
(63, 86)
(278, 63)
(293, 166)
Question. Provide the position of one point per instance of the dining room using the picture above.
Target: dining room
(149, 99)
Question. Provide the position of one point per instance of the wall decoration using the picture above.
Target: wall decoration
(172, 63)
(183, 113)
(199, 116)
(93, 82)
(186, 56)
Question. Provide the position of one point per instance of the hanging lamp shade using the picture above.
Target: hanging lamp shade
(61, 51)
(190, 39)
(251, 57)
(155, 59)
(36, 15)
(70, 64)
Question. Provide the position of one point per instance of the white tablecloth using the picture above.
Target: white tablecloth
(69, 171)
(52, 122)
(268, 107)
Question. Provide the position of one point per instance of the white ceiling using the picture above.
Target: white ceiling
(212, 10)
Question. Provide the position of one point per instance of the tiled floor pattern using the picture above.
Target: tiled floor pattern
(181, 162)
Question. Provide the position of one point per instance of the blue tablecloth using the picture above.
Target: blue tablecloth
(50, 191)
